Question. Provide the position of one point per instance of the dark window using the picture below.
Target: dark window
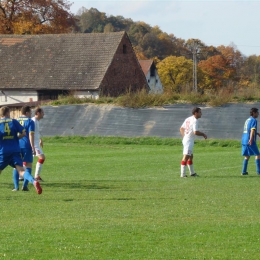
(152, 71)
(124, 48)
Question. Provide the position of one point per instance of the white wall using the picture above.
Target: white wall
(8, 97)
(86, 94)
(154, 83)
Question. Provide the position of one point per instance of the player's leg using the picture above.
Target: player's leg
(28, 159)
(246, 154)
(39, 164)
(184, 165)
(15, 179)
(186, 156)
(18, 164)
(28, 166)
(190, 166)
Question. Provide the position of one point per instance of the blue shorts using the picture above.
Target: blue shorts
(11, 159)
(248, 150)
(27, 155)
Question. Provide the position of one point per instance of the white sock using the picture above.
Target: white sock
(38, 169)
(191, 168)
(183, 170)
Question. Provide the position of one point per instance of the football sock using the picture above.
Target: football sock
(28, 176)
(25, 182)
(183, 168)
(38, 167)
(257, 162)
(16, 179)
(190, 166)
(245, 163)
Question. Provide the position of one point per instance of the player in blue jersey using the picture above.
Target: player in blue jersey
(27, 146)
(10, 132)
(249, 146)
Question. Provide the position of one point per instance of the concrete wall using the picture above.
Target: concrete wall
(225, 122)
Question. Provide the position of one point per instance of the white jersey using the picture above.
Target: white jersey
(190, 125)
(37, 134)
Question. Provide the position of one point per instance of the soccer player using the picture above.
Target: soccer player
(188, 131)
(9, 146)
(38, 143)
(249, 146)
(27, 146)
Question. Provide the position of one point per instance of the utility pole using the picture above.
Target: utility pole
(194, 49)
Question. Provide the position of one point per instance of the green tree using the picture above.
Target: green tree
(91, 20)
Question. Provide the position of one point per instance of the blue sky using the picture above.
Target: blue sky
(226, 22)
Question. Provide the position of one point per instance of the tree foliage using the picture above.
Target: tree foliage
(175, 72)
(35, 16)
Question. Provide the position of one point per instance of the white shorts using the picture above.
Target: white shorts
(188, 147)
(38, 150)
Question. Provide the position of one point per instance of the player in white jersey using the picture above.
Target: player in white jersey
(38, 143)
(189, 130)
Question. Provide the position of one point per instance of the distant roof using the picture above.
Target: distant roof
(60, 61)
(146, 65)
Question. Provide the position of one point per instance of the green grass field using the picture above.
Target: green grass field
(123, 199)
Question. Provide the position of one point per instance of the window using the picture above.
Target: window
(152, 71)
(124, 48)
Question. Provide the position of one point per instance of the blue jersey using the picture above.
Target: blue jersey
(9, 141)
(250, 124)
(29, 126)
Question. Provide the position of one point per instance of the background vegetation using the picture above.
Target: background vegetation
(219, 67)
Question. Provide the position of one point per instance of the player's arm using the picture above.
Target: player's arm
(41, 143)
(21, 135)
(252, 135)
(182, 131)
(198, 133)
(31, 138)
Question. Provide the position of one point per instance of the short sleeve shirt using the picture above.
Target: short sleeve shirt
(190, 125)
(9, 141)
(29, 126)
(250, 124)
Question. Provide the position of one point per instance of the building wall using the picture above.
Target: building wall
(154, 83)
(124, 73)
(8, 97)
(86, 94)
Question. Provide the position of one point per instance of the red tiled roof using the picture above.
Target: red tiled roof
(145, 65)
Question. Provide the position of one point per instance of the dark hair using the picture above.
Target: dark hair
(4, 110)
(195, 110)
(253, 110)
(38, 110)
(25, 109)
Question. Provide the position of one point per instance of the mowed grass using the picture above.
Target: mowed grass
(127, 201)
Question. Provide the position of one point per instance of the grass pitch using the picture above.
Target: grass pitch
(112, 198)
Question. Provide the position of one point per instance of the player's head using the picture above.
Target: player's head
(254, 112)
(39, 113)
(26, 111)
(196, 111)
(4, 111)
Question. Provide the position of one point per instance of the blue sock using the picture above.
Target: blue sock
(245, 163)
(16, 179)
(27, 176)
(257, 162)
(25, 182)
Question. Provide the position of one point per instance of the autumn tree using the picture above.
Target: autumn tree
(35, 16)
(175, 73)
(249, 73)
